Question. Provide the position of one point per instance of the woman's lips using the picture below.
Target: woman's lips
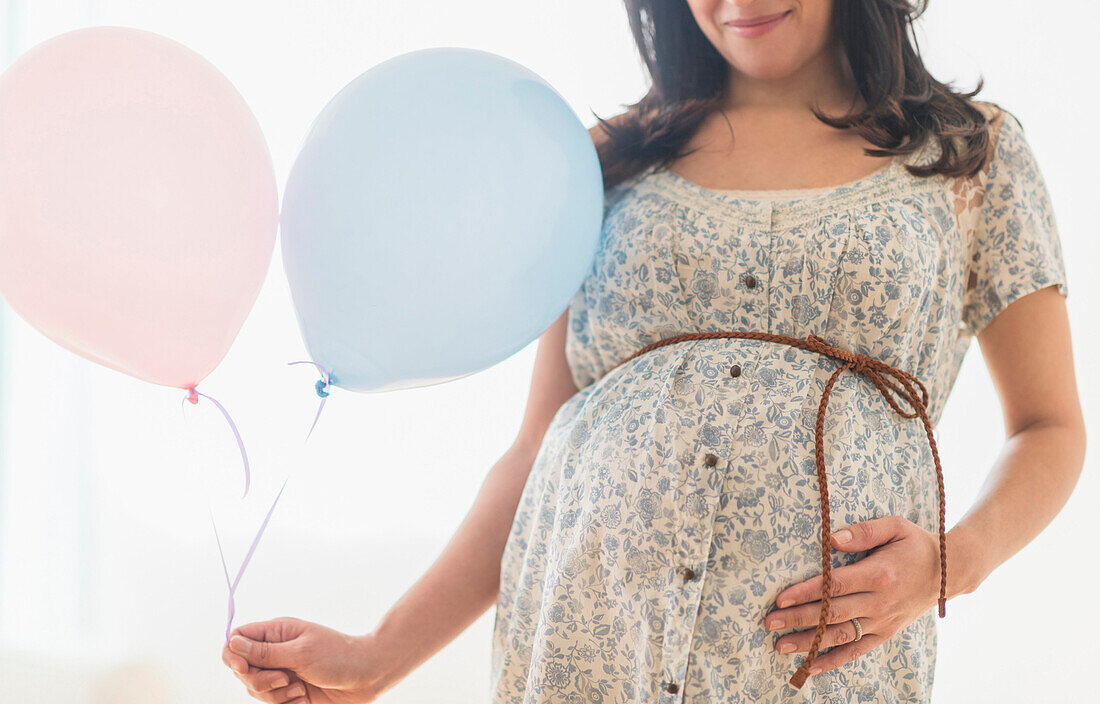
(761, 25)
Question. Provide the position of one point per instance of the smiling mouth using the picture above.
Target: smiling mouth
(757, 21)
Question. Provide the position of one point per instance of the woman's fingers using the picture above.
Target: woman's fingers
(256, 651)
(255, 678)
(275, 630)
(288, 694)
(847, 652)
(291, 692)
(233, 661)
(835, 634)
(262, 681)
(265, 654)
(862, 575)
(840, 628)
(841, 608)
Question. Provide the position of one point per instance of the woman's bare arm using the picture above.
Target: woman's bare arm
(1027, 350)
(463, 582)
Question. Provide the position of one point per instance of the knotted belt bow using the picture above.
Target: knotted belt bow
(886, 379)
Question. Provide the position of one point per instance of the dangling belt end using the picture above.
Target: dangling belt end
(799, 677)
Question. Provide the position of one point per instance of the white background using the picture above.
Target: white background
(107, 557)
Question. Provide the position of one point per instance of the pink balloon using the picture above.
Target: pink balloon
(138, 204)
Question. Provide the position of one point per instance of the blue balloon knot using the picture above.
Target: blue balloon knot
(321, 385)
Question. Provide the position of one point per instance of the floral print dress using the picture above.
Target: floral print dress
(674, 496)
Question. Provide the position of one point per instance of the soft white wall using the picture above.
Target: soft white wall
(105, 541)
(47, 558)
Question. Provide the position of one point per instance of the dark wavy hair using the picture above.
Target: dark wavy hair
(904, 104)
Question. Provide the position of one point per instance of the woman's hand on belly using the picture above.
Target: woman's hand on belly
(887, 590)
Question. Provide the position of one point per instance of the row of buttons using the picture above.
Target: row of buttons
(689, 574)
(711, 460)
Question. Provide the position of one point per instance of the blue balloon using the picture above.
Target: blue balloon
(444, 208)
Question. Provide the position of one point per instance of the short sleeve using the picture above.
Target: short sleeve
(1015, 247)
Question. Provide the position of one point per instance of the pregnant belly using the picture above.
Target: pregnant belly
(635, 482)
(667, 463)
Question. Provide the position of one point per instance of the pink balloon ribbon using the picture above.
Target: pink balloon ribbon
(193, 398)
(247, 558)
(322, 391)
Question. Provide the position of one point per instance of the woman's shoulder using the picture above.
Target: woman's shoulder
(1004, 129)
(992, 111)
(1004, 137)
(599, 137)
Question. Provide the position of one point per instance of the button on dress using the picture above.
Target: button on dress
(675, 495)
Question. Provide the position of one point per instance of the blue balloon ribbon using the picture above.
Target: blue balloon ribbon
(234, 583)
(321, 387)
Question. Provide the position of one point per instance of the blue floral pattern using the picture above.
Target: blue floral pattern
(673, 498)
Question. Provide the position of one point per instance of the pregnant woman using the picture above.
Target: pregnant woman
(726, 487)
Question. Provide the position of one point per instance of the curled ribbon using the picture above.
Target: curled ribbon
(247, 558)
(321, 388)
(193, 398)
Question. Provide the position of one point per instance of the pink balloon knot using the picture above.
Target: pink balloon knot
(192, 396)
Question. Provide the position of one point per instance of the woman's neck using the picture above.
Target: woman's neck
(825, 82)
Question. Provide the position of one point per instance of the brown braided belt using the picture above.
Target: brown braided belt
(877, 372)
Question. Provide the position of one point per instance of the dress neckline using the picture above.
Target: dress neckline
(785, 194)
(800, 205)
